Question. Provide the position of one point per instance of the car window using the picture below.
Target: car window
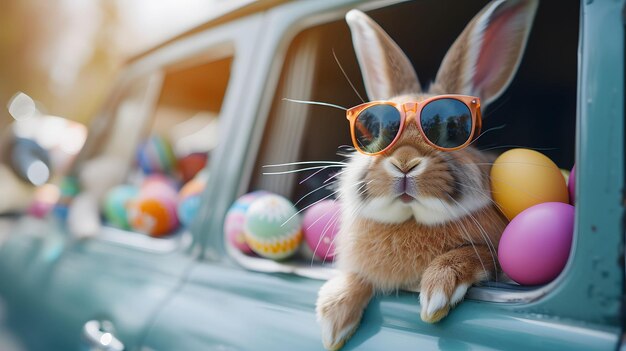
(130, 116)
(306, 136)
(164, 128)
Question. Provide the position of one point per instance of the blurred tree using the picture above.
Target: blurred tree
(64, 53)
(60, 52)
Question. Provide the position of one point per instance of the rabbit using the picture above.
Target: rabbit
(415, 217)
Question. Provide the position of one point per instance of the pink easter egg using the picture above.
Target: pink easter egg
(571, 186)
(535, 246)
(235, 219)
(39, 209)
(321, 224)
(158, 180)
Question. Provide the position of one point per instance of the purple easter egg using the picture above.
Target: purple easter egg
(535, 246)
(235, 219)
(321, 224)
(571, 186)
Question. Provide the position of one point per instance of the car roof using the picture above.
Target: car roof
(229, 11)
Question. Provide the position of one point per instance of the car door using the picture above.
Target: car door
(234, 301)
(68, 293)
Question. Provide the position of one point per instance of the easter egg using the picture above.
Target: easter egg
(571, 186)
(535, 246)
(191, 164)
(155, 155)
(320, 224)
(116, 205)
(44, 200)
(521, 178)
(189, 200)
(272, 227)
(154, 211)
(235, 218)
(158, 181)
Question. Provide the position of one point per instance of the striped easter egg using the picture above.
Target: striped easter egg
(235, 219)
(155, 155)
(273, 227)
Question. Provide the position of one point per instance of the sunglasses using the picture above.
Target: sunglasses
(447, 122)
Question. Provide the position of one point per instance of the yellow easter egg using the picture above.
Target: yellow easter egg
(521, 178)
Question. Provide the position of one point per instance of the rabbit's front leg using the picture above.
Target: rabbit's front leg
(447, 278)
(339, 307)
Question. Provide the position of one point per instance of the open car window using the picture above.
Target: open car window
(303, 136)
(164, 130)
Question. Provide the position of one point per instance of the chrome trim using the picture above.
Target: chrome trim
(99, 336)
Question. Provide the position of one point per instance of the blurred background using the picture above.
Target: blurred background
(58, 60)
(64, 53)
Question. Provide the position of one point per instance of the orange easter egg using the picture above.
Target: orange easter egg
(521, 178)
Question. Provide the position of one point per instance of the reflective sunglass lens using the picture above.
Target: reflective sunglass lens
(376, 127)
(447, 123)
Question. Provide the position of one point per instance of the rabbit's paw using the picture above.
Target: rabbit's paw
(439, 294)
(339, 309)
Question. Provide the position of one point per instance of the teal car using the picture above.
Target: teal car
(122, 290)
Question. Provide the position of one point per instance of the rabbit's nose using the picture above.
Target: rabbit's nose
(406, 166)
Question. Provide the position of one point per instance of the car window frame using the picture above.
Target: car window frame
(234, 39)
(582, 270)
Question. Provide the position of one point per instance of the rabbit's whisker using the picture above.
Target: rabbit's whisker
(352, 214)
(332, 223)
(483, 233)
(487, 131)
(313, 204)
(520, 146)
(481, 193)
(308, 206)
(509, 163)
(464, 231)
(346, 76)
(303, 169)
(493, 108)
(323, 186)
(313, 174)
(306, 163)
(315, 103)
(335, 176)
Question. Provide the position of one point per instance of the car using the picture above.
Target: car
(123, 290)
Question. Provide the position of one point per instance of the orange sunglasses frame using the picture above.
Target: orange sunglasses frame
(472, 102)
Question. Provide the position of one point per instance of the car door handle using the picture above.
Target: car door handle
(99, 336)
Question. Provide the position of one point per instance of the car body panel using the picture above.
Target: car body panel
(54, 284)
(222, 307)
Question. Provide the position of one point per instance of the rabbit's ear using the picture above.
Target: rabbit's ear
(484, 58)
(386, 70)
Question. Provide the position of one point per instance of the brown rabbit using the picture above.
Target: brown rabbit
(416, 217)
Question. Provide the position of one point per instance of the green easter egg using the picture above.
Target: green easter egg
(273, 227)
(115, 205)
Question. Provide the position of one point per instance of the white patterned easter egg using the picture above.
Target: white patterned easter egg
(273, 227)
